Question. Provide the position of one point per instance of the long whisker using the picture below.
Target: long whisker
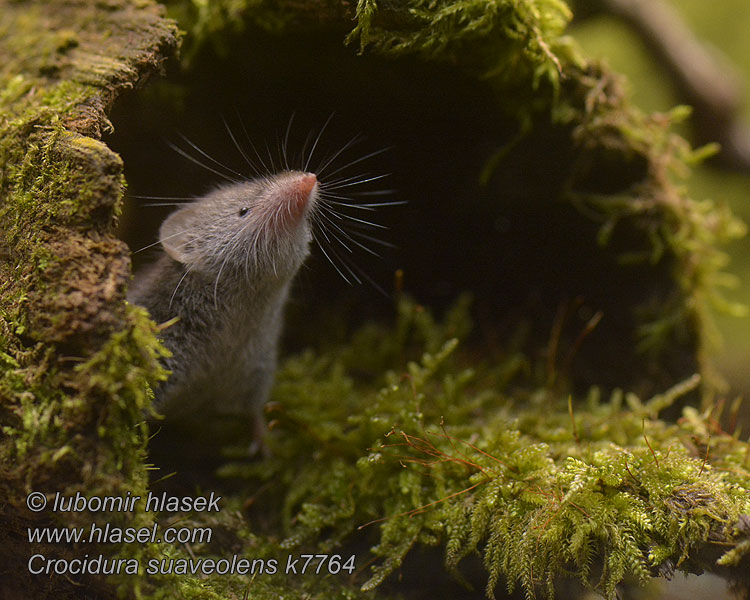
(192, 159)
(331, 182)
(351, 218)
(338, 239)
(375, 193)
(285, 145)
(372, 239)
(250, 141)
(327, 200)
(354, 275)
(328, 162)
(231, 248)
(348, 237)
(163, 197)
(227, 254)
(394, 203)
(157, 242)
(177, 287)
(315, 145)
(359, 160)
(365, 206)
(338, 233)
(371, 281)
(360, 182)
(352, 231)
(252, 165)
(345, 265)
(330, 260)
(160, 240)
(321, 227)
(212, 159)
(270, 158)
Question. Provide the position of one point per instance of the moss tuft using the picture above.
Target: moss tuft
(404, 438)
(438, 454)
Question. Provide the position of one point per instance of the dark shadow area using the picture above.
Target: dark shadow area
(528, 256)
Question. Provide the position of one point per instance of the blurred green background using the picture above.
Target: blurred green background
(722, 26)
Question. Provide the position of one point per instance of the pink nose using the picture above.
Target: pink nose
(306, 184)
(299, 190)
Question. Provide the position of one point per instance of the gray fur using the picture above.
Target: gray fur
(226, 277)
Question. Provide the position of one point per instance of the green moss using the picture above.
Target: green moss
(76, 361)
(516, 44)
(438, 454)
(46, 414)
(675, 229)
(627, 171)
(404, 437)
(507, 39)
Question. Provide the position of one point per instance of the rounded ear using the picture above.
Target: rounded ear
(177, 234)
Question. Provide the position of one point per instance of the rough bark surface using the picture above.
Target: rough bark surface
(76, 360)
(62, 272)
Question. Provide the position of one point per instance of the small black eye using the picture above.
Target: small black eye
(243, 211)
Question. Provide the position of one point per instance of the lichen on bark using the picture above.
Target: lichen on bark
(77, 360)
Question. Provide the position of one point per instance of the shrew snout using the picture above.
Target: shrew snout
(298, 192)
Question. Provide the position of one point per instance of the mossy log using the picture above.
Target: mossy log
(578, 200)
(76, 359)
